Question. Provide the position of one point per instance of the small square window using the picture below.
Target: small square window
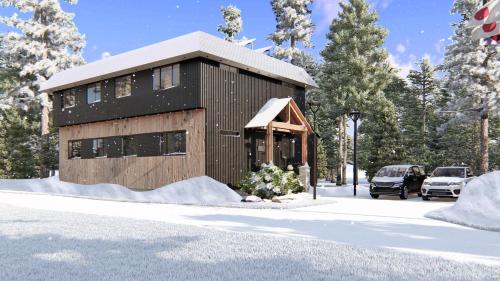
(166, 77)
(94, 93)
(172, 143)
(75, 149)
(69, 98)
(98, 149)
(123, 86)
(129, 146)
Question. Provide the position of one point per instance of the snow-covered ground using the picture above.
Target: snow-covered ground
(48, 245)
(363, 222)
(199, 190)
(478, 204)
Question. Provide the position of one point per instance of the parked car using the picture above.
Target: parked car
(446, 182)
(397, 180)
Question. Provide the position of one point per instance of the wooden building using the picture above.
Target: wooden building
(185, 107)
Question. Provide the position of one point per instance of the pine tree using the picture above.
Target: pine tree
(43, 42)
(293, 27)
(420, 117)
(355, 72)
(233, 24)
(322, 160)
(20, 145)
(380, 143)
(472, 75)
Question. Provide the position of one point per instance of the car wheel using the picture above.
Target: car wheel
(426, 198)
(404, 193)
(374, 196)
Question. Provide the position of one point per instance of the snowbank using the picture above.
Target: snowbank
(199, 190)
(478, 206)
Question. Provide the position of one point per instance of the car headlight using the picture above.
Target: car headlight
(426, 183)
(455, 183)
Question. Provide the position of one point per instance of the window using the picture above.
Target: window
(228, 133)
(166, 77)
(173, 143)
(228, 68)
(69, 98)
(123, 86)
(94, 93)
(98, 149)
(129, 146)
(75, 149)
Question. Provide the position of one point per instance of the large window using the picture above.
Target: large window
(129, 146)
(123, 86)
(166, 77)
(94, 93)
(75, 149)
(98, 149)
(69, 98)
(173, 143)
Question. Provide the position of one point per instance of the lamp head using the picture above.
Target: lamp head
(354, 115)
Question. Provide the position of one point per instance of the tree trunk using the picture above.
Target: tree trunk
(340, 152)
(344, 161)
(484, 139)
(292, 45)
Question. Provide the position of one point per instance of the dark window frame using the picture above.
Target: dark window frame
(175, 77)
(135, 149)
(129, 77)
(96, 85)
(95, 150)
(71, 149)
(64, 94)
(164, 152)
(228, 68)
(230, 133)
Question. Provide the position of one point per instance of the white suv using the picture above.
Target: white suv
(446, 182)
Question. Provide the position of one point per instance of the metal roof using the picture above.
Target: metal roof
(192, 45)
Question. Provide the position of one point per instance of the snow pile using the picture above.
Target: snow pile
(478, 205)
(199, 190)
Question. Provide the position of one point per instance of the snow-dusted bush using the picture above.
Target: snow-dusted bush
(271, 181)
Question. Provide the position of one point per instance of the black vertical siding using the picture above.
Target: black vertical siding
(231, 101)
(143, 101)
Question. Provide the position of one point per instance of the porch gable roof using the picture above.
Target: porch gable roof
(285, 107)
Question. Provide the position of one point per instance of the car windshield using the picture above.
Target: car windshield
(391, 172)
(449, 172)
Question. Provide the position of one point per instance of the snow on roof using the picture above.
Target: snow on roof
(268, 112)
(196, 44)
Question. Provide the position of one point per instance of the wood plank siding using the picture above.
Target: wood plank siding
(137, 172)
(231, 99)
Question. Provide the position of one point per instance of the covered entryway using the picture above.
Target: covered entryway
(278, 127)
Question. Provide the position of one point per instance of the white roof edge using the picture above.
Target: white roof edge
(268, 112)
(196, 44)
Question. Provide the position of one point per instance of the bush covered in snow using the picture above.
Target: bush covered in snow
(271, 181)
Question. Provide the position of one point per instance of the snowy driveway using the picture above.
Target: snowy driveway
(389, 224)
(48, 245)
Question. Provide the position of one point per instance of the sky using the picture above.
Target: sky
(416, 28)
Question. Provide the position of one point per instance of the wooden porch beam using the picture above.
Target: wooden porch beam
(269, 143)
(291, 127)
(303, 145)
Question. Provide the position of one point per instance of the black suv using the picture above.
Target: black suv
(397, 180)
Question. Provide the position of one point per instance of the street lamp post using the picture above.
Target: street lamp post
(354, 117)
(314, 107)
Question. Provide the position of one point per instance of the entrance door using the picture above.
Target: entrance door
(283, 150)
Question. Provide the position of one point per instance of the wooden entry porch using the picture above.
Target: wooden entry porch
(281, 116)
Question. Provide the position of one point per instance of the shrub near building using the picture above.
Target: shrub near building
(271, 181)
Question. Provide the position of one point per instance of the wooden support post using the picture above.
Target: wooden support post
(269, 143)
(304, 147)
